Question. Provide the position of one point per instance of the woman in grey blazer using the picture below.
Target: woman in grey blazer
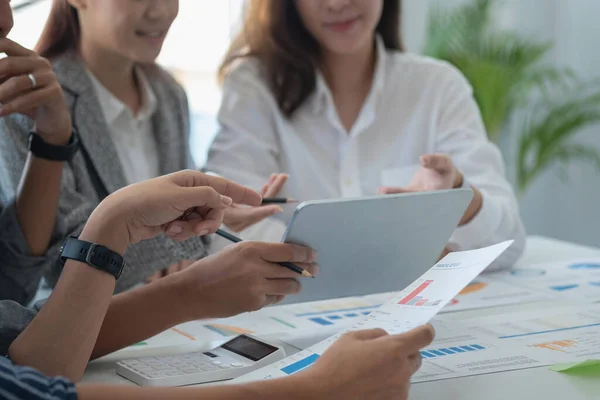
(132, 118)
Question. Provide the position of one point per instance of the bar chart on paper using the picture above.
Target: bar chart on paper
(565, 346)
(460, 352)
(411, 307)
(328, 314)
(558, 333)
(441, 352)
(415, 299)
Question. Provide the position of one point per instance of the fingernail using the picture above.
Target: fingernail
(313, 256)
(192, 215)
(226, 200)
(315, 269)
(174, 230)
(203, 232)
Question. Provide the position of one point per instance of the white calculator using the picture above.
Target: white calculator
(228, 361)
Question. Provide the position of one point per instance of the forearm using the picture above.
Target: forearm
(290, 388)
(37, 201)
(61, 337)
(141, 313)
(60, 340)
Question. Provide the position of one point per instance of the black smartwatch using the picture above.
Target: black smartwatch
(47, 151)
(94, 255)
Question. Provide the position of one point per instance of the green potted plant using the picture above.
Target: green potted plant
(508, 74)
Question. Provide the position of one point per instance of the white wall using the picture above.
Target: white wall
(566, 210)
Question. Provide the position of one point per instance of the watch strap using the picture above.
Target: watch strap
(95, 255)
(42, 149)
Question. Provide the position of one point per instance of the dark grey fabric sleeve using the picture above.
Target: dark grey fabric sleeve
(14, 318)
(77, 201)
(20, 273)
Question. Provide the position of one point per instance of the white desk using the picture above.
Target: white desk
(535, 383)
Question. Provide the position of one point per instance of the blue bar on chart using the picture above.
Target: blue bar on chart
(321, 321)
(451, 350)
(352, 310)
(414, 301)
(334, 318)
(300, 365)
(457, 349)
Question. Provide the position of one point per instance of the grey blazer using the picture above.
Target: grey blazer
(79, 196)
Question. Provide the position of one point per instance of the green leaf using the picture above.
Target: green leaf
(508, 73)
(547, 134)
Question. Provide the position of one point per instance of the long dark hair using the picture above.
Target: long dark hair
(273, 33)
(61, 32)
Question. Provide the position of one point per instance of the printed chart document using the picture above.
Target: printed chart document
(295, 319)
(414, 306)
(307, 323)
(491, 291)
(560, 334)
(576, 279)
(458, 351)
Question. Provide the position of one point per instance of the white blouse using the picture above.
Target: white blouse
(416, 106)
(132, 134)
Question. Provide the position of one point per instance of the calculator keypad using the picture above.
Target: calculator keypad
(162, 367)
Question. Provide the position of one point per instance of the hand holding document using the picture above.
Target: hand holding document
(414, 306)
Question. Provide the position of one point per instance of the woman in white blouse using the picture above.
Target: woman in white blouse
(322, 91)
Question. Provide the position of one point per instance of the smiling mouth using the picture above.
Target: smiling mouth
(342, 26)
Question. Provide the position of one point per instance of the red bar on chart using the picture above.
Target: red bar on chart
(415, 292)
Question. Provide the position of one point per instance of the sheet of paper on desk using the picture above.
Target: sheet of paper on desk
(414, 306)
(491, 291)
(576, 279)
(170, 338)
(326, 315)
(458, 352)
(558, 334)
(305, 320)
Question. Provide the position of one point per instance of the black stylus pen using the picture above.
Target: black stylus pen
(277, 200)
(290, 266)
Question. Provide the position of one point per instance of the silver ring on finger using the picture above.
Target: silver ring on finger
(32, 80)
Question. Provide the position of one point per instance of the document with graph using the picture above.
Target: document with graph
(491, 291)
(414, 306)
(331, 316)
(578, 279)
(570, 333)
(459, 351)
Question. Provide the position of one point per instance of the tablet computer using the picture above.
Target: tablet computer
(373, 244)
